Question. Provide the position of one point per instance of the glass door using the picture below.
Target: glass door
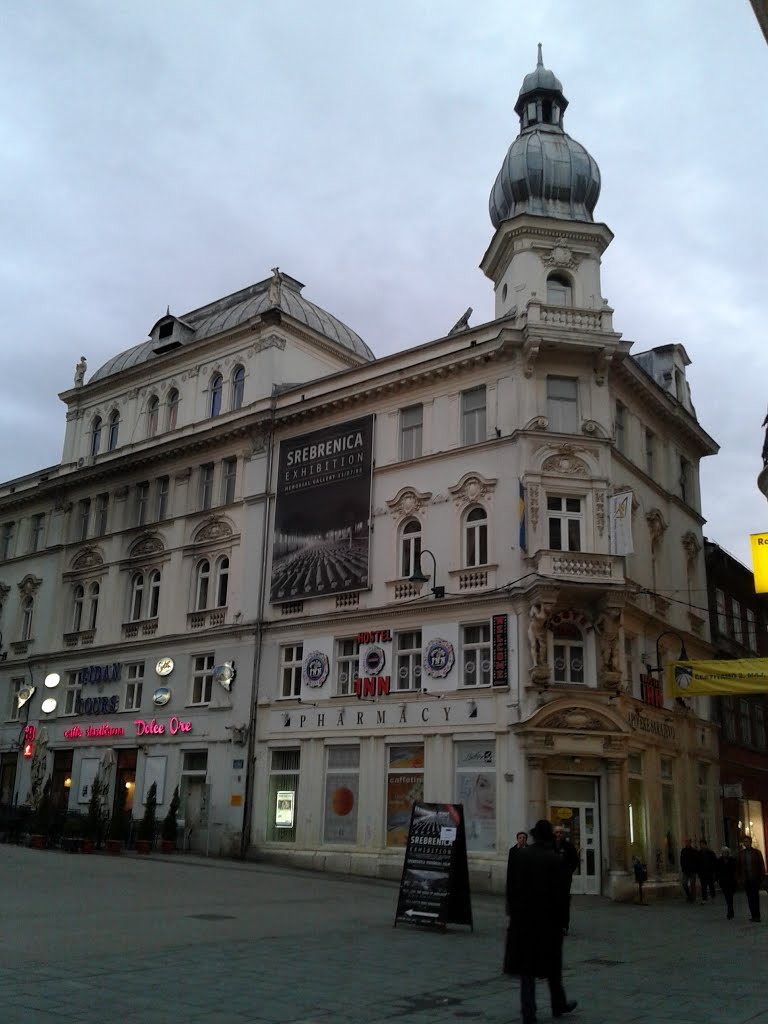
(573, 804)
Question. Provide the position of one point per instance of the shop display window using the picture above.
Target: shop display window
(476, 791)
(405, 786)
(342, 776)
(283, 793)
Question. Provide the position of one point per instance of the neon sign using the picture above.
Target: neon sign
(93, 732)
(155, 728)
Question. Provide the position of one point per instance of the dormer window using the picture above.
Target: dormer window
(531, 113)
(559, 292)
(166, 330)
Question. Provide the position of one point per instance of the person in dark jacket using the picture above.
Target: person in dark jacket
(570, 855)
(750, 872)
(726, 878)
(537, 901)
(707, 867)
(689, 868)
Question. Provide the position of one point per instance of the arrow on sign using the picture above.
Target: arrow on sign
(419, 913)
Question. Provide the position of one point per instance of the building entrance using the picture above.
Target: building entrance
(573, 803)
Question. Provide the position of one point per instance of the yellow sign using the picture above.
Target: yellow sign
(710, 678)
(564, 812)
(759, 542)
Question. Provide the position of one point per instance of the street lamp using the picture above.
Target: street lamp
(417, 576)
(683, 653)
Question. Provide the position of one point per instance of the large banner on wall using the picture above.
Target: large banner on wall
(722, 676)
(322, 512)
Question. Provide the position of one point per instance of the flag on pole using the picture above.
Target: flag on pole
(620, 523)
(521, 512)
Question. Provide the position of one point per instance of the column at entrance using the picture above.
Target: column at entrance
(617, 826)
(537, 790)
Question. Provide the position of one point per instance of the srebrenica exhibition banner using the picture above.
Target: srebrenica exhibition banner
(434, 889)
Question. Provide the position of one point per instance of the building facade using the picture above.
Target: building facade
(450, 574)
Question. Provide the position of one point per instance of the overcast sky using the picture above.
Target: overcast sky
(164, 152)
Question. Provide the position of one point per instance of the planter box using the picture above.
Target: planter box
(168, 846)
(37, 842)
(87, 846)
(114, 846)
(142, 846)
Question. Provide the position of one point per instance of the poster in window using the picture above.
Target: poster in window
(89, 769)
(322, 512)
(341, 794)
(284, 808)
(154, 771)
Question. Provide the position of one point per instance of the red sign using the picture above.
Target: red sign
(375, 636)
(372, 686)
(155, 728)
(651, 691)
(500, 651)
(93, 732)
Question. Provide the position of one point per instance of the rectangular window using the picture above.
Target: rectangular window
(291, 658)
(405, 786)
(102, 514)
(202, 679)
(162, 487)
(685, 477)
(619, 425)
(562, 405)
(650, 452)
(347, 664)
(751, 630)
(342, 773)
(84, 518)
(408, 660)
(722, 621)
(141, 514)
(564, 517)
(568, 651)
(758, 722)
(638, 832)
(6, 540)
(745, 722)
(729, 718)
(706, 817)
(738, 631)
(36, 527)
(473, 416)
(72, 693)
(133, 687)
(228, 480)
(283, 792)
(476, 790)
(668, 825)
(13, 710)
(411, 422)
(476, 655)
(206, 485)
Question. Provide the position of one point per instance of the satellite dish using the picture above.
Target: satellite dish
(24, 694)
(225, 674)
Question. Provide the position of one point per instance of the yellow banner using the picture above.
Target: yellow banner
(759, 544)
(725, 677)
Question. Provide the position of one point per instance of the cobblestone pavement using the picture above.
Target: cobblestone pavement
(160, 940)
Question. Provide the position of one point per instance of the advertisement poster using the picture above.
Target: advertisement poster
(284, 808)
(341, 795)
(476, 791)
(322, 512)
(405, 787)
(434, 888)
(723, 676)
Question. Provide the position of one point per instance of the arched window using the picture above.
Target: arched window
(202, 576)
(238, 387)
(222, 582)
(137, 597)
(217, 384)
(476, 537)
(78, 596)
(568, 653)
(27, 613)
(559, 292)
(93, 605)
(154, 593)
(410, 547)
(153, 415)
(114, 430)
(96, 436)
(173, 408)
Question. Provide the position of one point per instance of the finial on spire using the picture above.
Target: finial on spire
(540, 61)
(168, 309)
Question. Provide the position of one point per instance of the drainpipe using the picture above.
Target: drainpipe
(245, 839)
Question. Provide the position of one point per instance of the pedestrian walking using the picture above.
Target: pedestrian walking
(726, 878)
(565, 848)
(689, 867)
(537, 902)
(750, 872)
(707, 866)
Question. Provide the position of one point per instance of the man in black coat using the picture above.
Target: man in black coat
(538, 884)
(707, 867)
(570, 855)
(689, 868)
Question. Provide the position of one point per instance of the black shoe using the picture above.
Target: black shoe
(530, 1020)
(565, 1008)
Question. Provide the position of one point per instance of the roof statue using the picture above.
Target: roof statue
(80, 369)
(462, 323)
(274, 287)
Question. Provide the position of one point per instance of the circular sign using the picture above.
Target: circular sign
(161, 696)
(224, 675)
(564, 812)
(374, 661)
(316, 668)
(164, 667)
(49, 705)
(52, 679)
(438, 658)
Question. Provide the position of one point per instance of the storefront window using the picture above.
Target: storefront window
(706, 821)
(638, 831)
(405, 786)
(669, 851)
(283, 791)
(342, 789)
(751, 823)
(476, 790)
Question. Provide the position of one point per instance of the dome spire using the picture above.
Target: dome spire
(540, 61)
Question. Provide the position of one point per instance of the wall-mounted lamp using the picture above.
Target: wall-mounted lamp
(418, 576)
(683, 656)
(67, 782)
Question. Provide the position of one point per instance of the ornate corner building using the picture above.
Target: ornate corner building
(453, 573)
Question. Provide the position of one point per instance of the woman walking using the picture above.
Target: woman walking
(725, 872)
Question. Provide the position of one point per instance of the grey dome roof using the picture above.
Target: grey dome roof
(229, 312)
(545, 171)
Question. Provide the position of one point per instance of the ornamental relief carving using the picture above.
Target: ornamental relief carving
(657, 526)
(149, 544)
(213, 529)
(532, 504)
(88, 559)
(692, 547)
(29, 585)
(565, 460)
(600, 511)
(472, 487)
(408, 502)
(579, 721)
(560, 255)
(4, 592)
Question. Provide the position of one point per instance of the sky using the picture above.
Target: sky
(169, 153)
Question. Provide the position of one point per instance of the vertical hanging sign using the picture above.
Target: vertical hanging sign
(500, 670)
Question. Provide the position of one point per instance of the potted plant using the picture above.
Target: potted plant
(40, 825)
(147, 826)
(94, 822)
(170, 827)
(72, 831)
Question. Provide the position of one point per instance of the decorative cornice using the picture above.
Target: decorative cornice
(29, 585)
(87, 559)
(213, 529)
(147, 545)
(472, 487)
(408, 502)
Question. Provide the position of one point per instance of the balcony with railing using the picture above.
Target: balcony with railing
(142, 627)
(580, 566)
(206, 618)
